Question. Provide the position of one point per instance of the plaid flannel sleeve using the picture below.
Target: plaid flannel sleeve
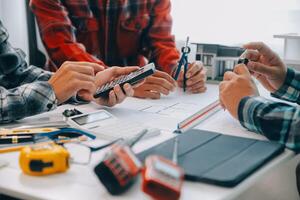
(164, 52)
(24, 90)
(290, 90)
(58, 33)
(26, 100)
(277, 121)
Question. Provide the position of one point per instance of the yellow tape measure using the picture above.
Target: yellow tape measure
(44, 159)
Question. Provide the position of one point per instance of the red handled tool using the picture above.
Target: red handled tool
(162, 178)
(120, 167)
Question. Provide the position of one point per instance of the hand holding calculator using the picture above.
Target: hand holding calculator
(132, 78)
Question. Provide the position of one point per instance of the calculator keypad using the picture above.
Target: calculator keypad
(119, 81)
(125, 78)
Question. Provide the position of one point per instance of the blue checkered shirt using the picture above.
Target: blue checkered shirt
(24, 90)
(277, 121)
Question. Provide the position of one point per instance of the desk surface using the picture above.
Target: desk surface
(80, 182)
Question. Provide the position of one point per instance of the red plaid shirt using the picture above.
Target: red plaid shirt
(108, 32)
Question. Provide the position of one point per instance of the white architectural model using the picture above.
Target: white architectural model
(217, 59)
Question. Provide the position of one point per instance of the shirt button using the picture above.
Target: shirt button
(49, 106)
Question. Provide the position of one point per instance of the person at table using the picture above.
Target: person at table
(116, 33)
(277, 121)
(28, 90)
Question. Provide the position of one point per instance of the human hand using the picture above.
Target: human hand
(155, 85)
(117, 95)
(265, 65)
(234, 87)
(196, 78)
(73, 77)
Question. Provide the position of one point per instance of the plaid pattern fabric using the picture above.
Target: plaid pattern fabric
(108, 32)
(277, 121)
(3, 33)
(290, 91)
(24, 90)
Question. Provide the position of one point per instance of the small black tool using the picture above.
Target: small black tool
(243, 61)
(183, 62)
(71, 112)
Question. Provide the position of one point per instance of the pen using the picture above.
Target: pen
(139, 136)
(59, 141)
(15, 139)
(22, 131)
(243, 58)
(21, 134)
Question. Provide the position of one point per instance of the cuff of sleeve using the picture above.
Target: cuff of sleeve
(282, 92)
(51, 101)
(247, 111)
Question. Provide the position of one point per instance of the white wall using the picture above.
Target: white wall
(13, 16)
(235, 22)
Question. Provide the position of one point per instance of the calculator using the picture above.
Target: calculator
(106, 126)
(132, 78)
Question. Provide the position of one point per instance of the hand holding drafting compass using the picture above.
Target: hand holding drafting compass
(183, 62)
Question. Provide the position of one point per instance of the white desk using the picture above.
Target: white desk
(276, 180)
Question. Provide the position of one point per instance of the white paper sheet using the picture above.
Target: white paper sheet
(167, 112)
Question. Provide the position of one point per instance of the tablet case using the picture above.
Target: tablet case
(215, 158)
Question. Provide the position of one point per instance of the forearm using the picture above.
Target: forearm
(277, 121)
(290, 90)
(26, 100)
(163, 46)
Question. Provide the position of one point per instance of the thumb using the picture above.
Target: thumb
(241, 69)
(86, 95)
(260, 68)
